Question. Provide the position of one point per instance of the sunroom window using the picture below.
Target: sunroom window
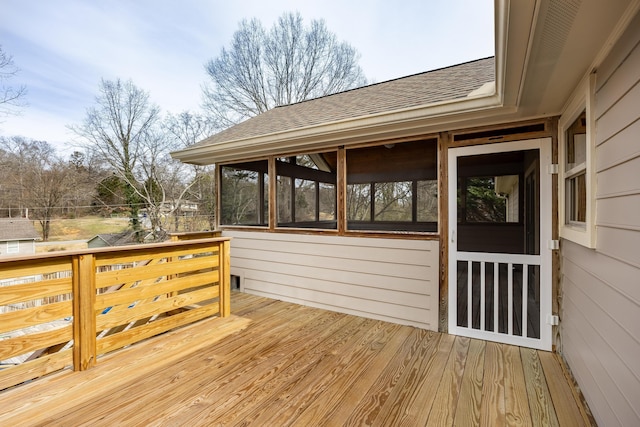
(306, 191)
(244, 194)
(393, 187)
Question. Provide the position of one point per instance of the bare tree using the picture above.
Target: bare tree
(10, 96)
(188, 128)
(39, 178)
(159, 180)
(84, 174)
(290, 63)
(116, 128)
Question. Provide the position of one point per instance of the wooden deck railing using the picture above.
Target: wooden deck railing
(65, 309)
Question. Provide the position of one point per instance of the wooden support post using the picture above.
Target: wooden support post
(84, 317)
(342, 191)
(225, 278)
(444, 141)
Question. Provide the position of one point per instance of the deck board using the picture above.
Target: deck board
(275, 363)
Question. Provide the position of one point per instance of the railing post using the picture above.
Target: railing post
(84, 317)
(225, 278)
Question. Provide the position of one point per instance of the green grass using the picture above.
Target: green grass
(84, 228)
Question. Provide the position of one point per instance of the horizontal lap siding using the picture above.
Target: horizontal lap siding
(389, 279)
(601, 303)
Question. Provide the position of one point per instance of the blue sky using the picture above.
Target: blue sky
(64, 47)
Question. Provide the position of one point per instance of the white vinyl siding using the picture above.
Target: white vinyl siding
(388, 279)
(601, 290)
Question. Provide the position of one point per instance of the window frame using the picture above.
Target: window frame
(263, 194)
(342, 228)
(583, 233)
(286, 169)
(414, 226)
(13, 247)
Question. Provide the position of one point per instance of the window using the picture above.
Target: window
(244, 194)
(306, 191)
(575, 172)
(576, 189)
(393, 187)
(13, 247)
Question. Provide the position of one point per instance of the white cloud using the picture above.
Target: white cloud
(65, 47)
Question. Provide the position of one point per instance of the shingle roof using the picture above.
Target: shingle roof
(116, 239)
(444, 84)
(17, 229)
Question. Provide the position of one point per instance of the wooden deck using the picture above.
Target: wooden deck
(273, 363)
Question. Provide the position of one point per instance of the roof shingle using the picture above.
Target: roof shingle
(444, 84)
(17, 229)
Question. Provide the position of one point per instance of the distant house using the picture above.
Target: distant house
(497, 199)
(111, 239)
(17, 237)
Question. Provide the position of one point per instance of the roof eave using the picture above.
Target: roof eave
(399, 123)
(512, 24)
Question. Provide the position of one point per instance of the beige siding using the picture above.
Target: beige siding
(388, 279)
(25, 247)
(601, 303)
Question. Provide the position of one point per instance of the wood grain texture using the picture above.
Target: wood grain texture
(23, 344)
(10, 269)
(515, 391)
(445, 404)
(19, 319)
(116, 255)
(153, 271)
(84, 319)
(35, 368)
(149, 308)
(31, 291)
(540, 404)
(276, 363)
(133, 294)
(492, 412)
(470, 401)
(561, 392)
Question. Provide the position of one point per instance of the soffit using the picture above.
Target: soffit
(567, 37)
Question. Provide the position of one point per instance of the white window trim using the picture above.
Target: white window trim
(582, 100)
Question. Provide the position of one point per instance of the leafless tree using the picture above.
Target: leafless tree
(160, 180)
(187, 129)
(287, 64)
(10, 96)
(116, 128)
(40, 179)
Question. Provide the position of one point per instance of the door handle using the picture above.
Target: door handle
(453, 236)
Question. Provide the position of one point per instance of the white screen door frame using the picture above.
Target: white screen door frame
(494, 260)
